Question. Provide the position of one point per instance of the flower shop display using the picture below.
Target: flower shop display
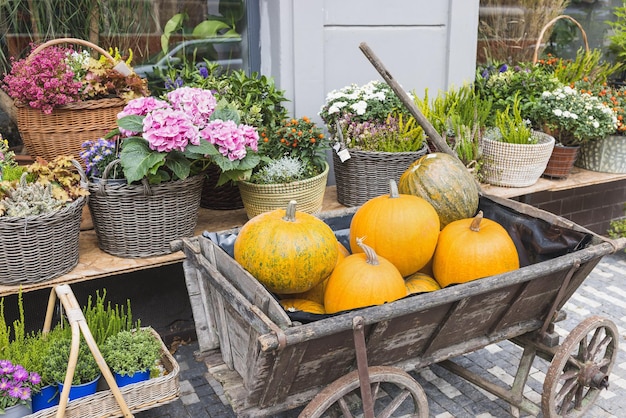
(513, 154)
(375, 137)
(573, 118)
(40, 213)
(254, 96)
(165, 146)
(64, 96)
(293, 167)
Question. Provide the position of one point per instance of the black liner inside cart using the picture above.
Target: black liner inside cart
(536, 240)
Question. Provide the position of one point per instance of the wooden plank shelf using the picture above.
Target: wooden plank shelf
(94, 263)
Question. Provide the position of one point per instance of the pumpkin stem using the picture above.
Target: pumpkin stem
(290, 212)
(370, 254)
(393, 189)
(475, 225)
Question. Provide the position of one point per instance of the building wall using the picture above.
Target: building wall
(312, 47)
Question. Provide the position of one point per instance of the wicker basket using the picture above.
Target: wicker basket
(224, 197)
(308, 193)
(134, 221)
(138, 396)
(38, 248)
(515, 165)
(64, 130)
(366, 174)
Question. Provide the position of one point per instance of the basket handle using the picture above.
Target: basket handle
(552, 22)
(120, 66)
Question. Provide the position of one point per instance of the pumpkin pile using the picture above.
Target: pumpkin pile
(426, 234)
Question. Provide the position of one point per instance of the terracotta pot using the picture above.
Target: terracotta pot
(561, 161)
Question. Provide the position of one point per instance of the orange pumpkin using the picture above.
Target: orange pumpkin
(295, 304)
(316, 294)
(286, 250)
(420, 283)
(401, 228)
(363, 279)
(473, 248)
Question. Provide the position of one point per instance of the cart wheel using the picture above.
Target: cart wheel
(580, 368)
(393, 390)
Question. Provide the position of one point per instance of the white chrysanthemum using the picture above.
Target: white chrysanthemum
(557, 112)
(359, 107)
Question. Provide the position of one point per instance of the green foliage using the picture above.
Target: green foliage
(617, 228)
(588, 65)
(105, 319)
(617, 38)
(511, 128)
(283, 170)
(56, 360)
(128, 352)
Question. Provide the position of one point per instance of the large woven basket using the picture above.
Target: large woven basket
(64, 130)
(134, 221)
(38, 248)
(366, 174)
(515, 165)
(308, 194)
(138, 396)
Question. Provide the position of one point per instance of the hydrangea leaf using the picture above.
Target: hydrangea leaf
(138, 159)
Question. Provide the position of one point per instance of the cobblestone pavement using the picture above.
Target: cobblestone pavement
(602, 293)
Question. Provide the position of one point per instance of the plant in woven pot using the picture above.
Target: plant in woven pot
(165, 146)
(64, 96)
(293, 167)
(513, 154)
(608, 154)
(574, 118)
(375, 140)
(254, 96)
(40, 213)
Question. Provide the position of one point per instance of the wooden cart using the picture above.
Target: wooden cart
(327, 363)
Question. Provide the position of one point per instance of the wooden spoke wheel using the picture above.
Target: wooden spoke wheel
(580, 368)
(394, 391)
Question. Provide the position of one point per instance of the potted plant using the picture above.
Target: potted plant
(40, 207)
(293, 167)
(17, 386)
(513, 154)
(132, 355)
(165, 146)
(64, 96)
(86, 372)
(374, 137)
(573, 118)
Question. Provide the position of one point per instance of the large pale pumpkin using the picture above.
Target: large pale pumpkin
(420, 283)
(445, 182)
(473, 248)
(316, 294)
(401, 228)
(286, 250)
(363, 279)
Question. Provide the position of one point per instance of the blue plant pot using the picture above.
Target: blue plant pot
(47, 397)
(85, 389)
(127, 380)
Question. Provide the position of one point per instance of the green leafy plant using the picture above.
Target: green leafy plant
(105, 319)
(56, 360)
(588, 65)
(510, 127)
(128, 352)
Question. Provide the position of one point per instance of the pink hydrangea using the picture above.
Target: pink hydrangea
(231, 140)
(169, 129)
(140, 107)
(196, 102)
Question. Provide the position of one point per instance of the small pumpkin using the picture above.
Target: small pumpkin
(473, 248)
(286, 250)
(363, 279)
(316, 294)
(401, 228)
(420, 283)
(296, 304)
(445, 182)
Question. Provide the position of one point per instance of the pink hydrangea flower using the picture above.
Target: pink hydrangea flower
(168, 129)
(141, 107)
(231, 140)
(196, 102)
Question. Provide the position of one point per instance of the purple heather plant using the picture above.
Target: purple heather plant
(98, 154)
(16, 384)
